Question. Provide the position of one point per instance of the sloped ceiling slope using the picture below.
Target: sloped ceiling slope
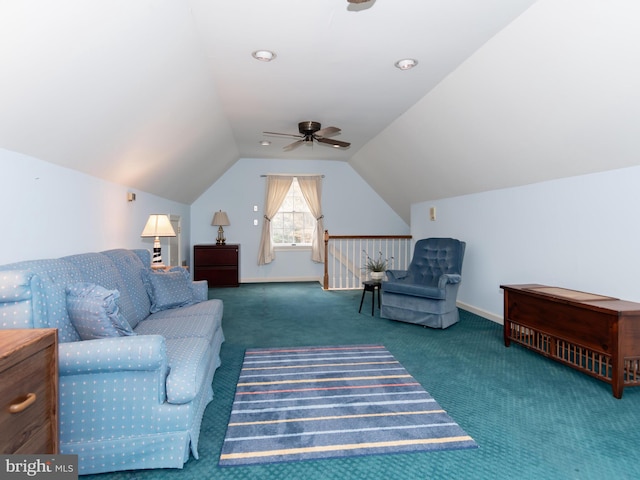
(555, 94)
(163, 95)
(117, 89)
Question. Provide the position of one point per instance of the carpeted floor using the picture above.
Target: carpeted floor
(532, 418)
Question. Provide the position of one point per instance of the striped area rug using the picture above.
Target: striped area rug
(326, 402)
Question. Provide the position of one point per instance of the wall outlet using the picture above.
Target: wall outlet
(432, 214)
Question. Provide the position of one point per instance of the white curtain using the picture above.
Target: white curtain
(277, 189)
(311, 188)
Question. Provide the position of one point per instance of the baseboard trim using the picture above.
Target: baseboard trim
(483, 313)
(282, 280)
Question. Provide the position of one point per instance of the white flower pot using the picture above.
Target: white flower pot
(377, 275)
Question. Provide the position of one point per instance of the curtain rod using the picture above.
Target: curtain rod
(294, 175)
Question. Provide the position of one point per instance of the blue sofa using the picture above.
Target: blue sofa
(426, 293)
(133, 399)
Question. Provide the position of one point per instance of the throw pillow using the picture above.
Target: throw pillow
(94, 312)
(168, 289)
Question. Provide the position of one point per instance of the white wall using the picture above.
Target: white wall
(580, 233)
(50, 211)
(350, 206)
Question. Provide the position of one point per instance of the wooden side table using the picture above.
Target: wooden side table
(371, 286)
(29, 391)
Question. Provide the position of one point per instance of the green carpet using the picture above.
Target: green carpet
(532, 418)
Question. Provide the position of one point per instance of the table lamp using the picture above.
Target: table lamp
(220, 219)
(158, 226)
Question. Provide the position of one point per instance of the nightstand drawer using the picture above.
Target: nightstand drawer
(216, 256)
(28, 396)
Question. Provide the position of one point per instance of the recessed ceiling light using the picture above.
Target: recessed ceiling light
(265, 143)
(263, 55)
(406, 63)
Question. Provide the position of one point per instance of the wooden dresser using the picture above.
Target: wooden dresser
(29, 391)
(218, 264)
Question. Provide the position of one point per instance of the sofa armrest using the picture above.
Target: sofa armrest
(200, 290)
(108, 356)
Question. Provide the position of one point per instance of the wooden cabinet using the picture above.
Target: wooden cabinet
(595, 334)
(218, 264)
(29, 391)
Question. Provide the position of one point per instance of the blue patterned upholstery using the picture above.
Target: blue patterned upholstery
(426, 293)
(168, 289)
(94, 312)
(126, 402)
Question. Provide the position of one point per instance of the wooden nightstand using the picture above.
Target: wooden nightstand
(29, 391)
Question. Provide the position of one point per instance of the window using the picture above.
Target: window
(294, 223)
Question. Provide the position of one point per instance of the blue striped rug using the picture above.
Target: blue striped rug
(326, 402)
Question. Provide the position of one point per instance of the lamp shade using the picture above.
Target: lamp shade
(158, 225)
(220, 218)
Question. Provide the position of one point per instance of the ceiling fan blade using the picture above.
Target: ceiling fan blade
(334, 143)
(276, 134)
(327, 131)
(293, 145)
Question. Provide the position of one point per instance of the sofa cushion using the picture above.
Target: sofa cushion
(94, 313)
(200, 320)
(407, 287)
(130, 265)
(168, 290)
(99, 269)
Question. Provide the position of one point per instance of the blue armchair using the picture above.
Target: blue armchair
(426, 293)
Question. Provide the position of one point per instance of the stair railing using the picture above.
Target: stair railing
(346, 256)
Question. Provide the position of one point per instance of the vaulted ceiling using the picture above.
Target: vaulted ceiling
(164, 95)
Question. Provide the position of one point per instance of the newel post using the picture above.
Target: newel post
(326, 267)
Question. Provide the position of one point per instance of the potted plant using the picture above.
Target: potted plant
(376, 266)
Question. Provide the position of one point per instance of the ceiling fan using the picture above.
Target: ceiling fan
(312, 131)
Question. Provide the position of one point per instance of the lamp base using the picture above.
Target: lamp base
(220, 240)
(157, 253)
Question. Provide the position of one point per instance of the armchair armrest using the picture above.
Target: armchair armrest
(141, 353)
(397, 274)
(448, 278)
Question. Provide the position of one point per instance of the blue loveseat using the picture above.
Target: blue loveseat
(135, 398)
